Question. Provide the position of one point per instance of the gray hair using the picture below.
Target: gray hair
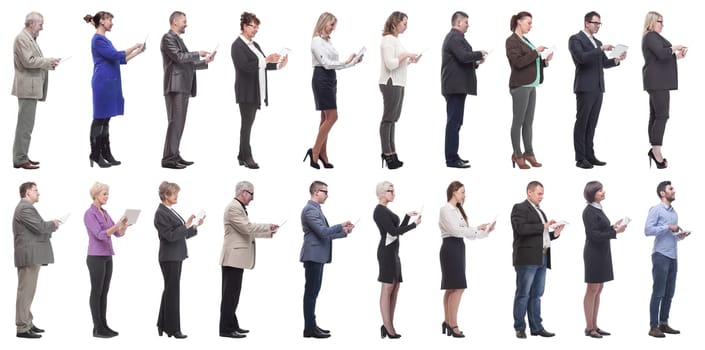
(242, 186)
(167, 189)
(382, 188)
(97, 188)
(32, 17)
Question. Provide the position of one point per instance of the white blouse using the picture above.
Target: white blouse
(452, 224)
(324, 55)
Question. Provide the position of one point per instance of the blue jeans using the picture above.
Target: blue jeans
(664, 273)
(314, 278)
(455, 108)
(531, 280)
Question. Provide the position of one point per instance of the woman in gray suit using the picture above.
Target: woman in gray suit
(660, 74)
(173, 231)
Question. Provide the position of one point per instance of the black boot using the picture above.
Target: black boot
(106, 153)
(391, 161)
(95, 155)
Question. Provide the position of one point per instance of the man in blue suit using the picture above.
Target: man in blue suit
(589, 57)
(316, 251)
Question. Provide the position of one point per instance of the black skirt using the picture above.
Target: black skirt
(453, 263)
(389, 262)
(325, 88)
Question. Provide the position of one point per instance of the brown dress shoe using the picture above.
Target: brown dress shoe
(532, 160)
(667, 329)
(656, 333)
(26, 165)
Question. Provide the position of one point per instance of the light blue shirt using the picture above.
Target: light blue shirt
(660, 216)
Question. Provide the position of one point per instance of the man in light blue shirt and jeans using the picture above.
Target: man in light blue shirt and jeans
(662, 223)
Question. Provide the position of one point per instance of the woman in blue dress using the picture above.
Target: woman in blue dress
(107, 86)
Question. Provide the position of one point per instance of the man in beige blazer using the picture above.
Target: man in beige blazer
(30, 85)
(238, 254)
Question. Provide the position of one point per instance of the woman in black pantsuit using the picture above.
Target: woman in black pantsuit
(388, 254)
(454, 227)
(597, 254)
(660, 75)
(173, 232)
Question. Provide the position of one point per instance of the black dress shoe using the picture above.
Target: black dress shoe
(458, 164)
(603, 333)
(26, 165)
(543, 333)
(315, 333)
(33, 163)
(464, 160)
(184, 162)
(584, 164)
(521, 334)
(36, 329)
(592, 333)
(29, 335)
(172, 164)
(241, 330)
(597, 162)
(322, 330)
(232, 335)
(177, 335)
(102, 333)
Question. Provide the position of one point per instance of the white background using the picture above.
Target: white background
(271, 297)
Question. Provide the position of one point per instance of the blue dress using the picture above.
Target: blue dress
(106, 82)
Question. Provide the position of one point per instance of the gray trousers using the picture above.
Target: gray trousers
(393, 97)
(26, 286)
(27, 109)
(176, 107)
(523, 105)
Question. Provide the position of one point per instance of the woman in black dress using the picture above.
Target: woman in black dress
(597, 254)
(454, 226)
(388, 254)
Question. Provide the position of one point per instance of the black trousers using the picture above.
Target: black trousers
(659, 104)
(169, 312)
(247, 119)
(588, 112)
(232, 285)
(100, 269)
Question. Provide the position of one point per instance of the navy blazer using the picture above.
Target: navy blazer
(528, 236)
(589, 63)
(458, 65)
(660, 70)
(180, 65)
(318, 236)
(172, 234)
(247, 89)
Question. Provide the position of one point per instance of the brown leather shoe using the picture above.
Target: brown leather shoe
(656, 333)
(26, 165)
(667, 329)
(532, 160)
(520, 162)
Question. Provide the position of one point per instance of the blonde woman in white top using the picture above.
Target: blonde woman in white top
(392, 79)
(454, 227)
(324, 83)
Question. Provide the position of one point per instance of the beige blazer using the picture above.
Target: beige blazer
(240, 233)
(31, 68)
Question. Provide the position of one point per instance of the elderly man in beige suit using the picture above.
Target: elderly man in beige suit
(238, 254)
(30, 86)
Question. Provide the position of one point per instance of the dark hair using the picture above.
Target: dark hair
(246, 18)
(95, 19)
(454, 186)
(532, 185)
(515, 18)
(25, 187)
(174, 15)
(315, 186)
(662, 187)
(394, 19)
(456, 16)
(591, 188)
(590, 15)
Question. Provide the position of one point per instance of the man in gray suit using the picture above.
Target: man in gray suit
(180, 67)
(316, 251)
(238, 254)
(32, 249)
(30, 85)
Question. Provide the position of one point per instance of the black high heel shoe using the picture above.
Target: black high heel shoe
(177, 335)
(659, 165)
(385, 333)
(325, 165)
(452, 332)
(392, 162)
(309, 155)
(444, 327)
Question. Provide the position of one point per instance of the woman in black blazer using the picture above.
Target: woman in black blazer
(388, 254)
(251, 68)
(173, 232)
(660, 74)
(597, 254)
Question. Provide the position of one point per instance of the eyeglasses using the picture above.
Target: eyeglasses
(390, 191)
(324, 191)
(251, 193)
(596, 23)
(254, 26)
(660, 21)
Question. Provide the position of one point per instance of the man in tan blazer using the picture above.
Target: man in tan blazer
(30, 85)
(238, 254)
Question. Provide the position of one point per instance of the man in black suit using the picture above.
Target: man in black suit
(457, 81)
(180, 67)
(531, 256)
(589, 57)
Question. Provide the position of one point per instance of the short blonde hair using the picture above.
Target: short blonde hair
(167, 189)
(97, 188)
(650, 21)
(323, 20)
(382, 188)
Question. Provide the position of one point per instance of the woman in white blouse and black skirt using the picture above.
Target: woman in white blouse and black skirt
(452, 221)
(324, 83)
